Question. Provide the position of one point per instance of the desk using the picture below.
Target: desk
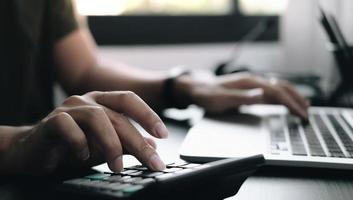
(261, 186)
(267, 185)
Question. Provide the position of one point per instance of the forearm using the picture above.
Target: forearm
(144, 83)
(78, 70)
(9, 137)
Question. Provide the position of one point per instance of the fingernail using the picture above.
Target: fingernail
(156, 163)
(161, 130)
(84, 155)
(117, 164)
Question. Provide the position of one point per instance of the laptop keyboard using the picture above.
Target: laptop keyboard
(324, 135)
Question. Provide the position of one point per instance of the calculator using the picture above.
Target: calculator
(214, 180)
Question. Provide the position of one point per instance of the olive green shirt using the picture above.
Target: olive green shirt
(28, 31)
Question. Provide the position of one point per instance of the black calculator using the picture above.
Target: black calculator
(215, 180)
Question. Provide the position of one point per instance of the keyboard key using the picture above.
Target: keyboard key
(145, 181)
(77, 182)
(150, 174)
(176, 164)
(119, 186)
(165, 176)
(138, 167)
(314, 144)
(113, 186)
(125, 178)
(191, 165)
(296, 141)
(133, 180)
(95, 184)
(132, 189)
(113, 178)
(117, 193)
(331, 143)
(98, 176)
(184, 171)
(128, 172)
(171, 170)
(346, 140)
(137, 173)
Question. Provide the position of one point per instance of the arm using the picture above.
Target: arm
(80, 71)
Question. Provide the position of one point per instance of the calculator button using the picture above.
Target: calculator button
(152, 174)
(171, 170)
(128, 172)
(132, 189)
(138, 167)
(184, 171)
(191, 165)
(137, 173)
(119, 186)
(165, 176)
(95, 184)
(98, 176)
(133, 180)
(113, 178)
(176, 164)
(117, 193)
(77, 181)
(113, 186)
(145, 181)
(202, 166)
(125, 178)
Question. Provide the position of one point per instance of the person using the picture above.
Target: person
(44, 41)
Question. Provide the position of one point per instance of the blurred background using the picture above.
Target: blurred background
(201, 34)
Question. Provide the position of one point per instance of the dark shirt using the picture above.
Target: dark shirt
(28, 31)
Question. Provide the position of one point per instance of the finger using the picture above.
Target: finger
(244, 97)
(284, 98)
(99, 126)
(133, 106)
(272, 91)
(293, 92)
(64, 126)
(151, 142)
(134, 143)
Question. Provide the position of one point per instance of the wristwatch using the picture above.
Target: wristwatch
(168, 90)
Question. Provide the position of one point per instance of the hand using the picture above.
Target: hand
(89, 129)
(230, 91)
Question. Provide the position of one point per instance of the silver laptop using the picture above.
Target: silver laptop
(326, 140)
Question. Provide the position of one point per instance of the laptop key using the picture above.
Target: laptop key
(314, 144)
(331, 143)
(346, 140)
(296, 141)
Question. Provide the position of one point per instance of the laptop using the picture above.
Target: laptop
(325, 141)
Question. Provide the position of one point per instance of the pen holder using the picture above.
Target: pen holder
(344, 61)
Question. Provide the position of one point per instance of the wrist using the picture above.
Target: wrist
(11, 138)
(183, 90)
(176, 88)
